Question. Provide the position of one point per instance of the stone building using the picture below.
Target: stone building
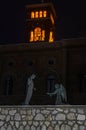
(52, 61)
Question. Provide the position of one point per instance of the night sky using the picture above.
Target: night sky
(70, 23)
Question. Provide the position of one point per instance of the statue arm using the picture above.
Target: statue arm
(55, 92)
(51, 94)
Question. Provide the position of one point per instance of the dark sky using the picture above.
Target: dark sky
(71, 19)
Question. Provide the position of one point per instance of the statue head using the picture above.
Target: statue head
(33, 76)
(57, 86)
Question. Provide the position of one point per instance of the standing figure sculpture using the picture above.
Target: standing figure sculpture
(30, 87)
(61, 97)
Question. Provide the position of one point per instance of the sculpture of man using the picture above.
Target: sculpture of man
(30, 85)
(61, 97)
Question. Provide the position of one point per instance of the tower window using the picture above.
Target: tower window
(44, 13)
(39, 14)
(43, 35)
(37, 32)
(37, 35)
(51, 39)
(32, 15)
(36, 14)
(52, 19)
(31, 36)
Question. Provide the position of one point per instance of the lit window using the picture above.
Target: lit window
(51, 39)
(44, 13)
(36, 14)
(43, 35)
(31, 36)
(32, 14)
(37, 33)
(40, 14)
(52, 19)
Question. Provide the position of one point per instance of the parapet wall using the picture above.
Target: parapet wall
(43, 117)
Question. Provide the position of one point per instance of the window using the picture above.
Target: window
(51, 39)
(32, 14)
(44, 13)
(8, 85)
(52, 19)
(51, 62)
(30, 63)
(83, 83)
(43, 35)
(36, 14)
(31, 36)
(10, 64)
(50, 84)
(39, 14)
(37, 35)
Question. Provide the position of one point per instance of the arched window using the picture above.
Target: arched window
(43, 35)
(83, 83)
(36, 14)
(40, 14)
(31, 36)
(8, 85)
(37, 35)
(32, 15)
(52, 19)
(50, 83)
(51, 39)
(44, 13)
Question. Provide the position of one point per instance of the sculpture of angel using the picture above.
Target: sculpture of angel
(30, 86)
(60, 92)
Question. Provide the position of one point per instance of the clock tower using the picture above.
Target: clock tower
(40, 23)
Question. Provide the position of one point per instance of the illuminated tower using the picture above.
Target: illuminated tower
(40, 23)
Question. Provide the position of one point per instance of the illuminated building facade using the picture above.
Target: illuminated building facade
(62, 61)
(40, 23)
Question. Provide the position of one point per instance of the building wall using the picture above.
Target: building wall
(43, 117)
(22, 63)
(64, 59)
(75, 69)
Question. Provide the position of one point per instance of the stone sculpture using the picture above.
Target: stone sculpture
(61, 97)
(30, 86)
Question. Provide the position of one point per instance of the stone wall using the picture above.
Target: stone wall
(43, 117)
